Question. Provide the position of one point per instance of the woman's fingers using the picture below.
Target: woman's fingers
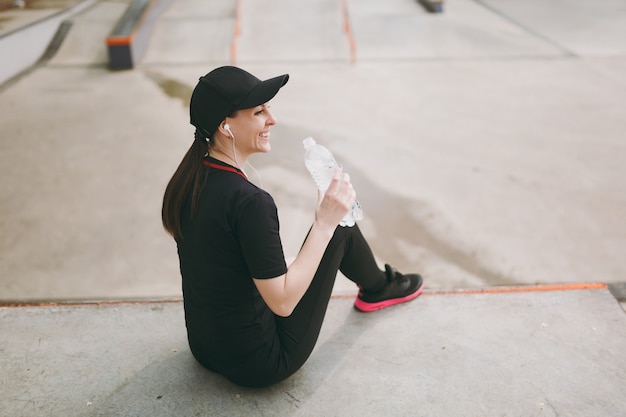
(340, 181)
(337, 200)
(344, 188)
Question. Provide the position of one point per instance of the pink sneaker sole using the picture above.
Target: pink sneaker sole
(368, 307)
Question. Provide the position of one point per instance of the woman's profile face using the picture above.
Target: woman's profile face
(251, 128)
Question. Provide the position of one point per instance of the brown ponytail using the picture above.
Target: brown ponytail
(189, 177)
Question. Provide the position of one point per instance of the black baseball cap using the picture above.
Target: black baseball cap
(226, 89)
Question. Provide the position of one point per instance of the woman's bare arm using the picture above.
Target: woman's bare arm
(283, 293)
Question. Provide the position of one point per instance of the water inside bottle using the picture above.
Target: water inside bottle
(322, 173)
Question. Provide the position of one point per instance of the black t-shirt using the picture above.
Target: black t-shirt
(232, 238)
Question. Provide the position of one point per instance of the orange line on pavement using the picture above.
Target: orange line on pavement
(522, 289)
(508, 290)
(78, 303)
(348, 30)
(233, 44)
(469, 291)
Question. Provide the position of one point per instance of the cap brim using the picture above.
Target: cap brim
(263, 92)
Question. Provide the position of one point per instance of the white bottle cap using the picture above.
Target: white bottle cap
(308, 142)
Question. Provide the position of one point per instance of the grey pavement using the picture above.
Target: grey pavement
(26, 33)
(486, 145)
(553, 353)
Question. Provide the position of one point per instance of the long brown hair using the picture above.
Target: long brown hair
(188, 177)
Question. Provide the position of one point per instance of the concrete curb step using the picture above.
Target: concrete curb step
(127, 42)
(129, 39)
(433, 6)
(618, 290)
(37, 35)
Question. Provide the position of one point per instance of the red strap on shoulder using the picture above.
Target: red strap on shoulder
(224, 168)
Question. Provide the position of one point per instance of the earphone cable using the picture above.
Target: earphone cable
(247, 162)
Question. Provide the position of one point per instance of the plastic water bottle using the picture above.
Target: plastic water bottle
(322, 165)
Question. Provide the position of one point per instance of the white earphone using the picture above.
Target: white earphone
(230, 132)
(227, 128)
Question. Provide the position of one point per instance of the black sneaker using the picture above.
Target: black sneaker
(400, 289)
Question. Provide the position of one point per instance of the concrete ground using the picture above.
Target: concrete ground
(486, 147)
(485, 143)
(540, 353)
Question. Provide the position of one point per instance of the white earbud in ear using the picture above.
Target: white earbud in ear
(227, 128)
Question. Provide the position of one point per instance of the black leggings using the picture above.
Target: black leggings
(296, 335)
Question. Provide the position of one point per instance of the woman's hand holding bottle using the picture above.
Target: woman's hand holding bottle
(336, 202)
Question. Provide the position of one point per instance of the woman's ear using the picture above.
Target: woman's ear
(224, 129)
